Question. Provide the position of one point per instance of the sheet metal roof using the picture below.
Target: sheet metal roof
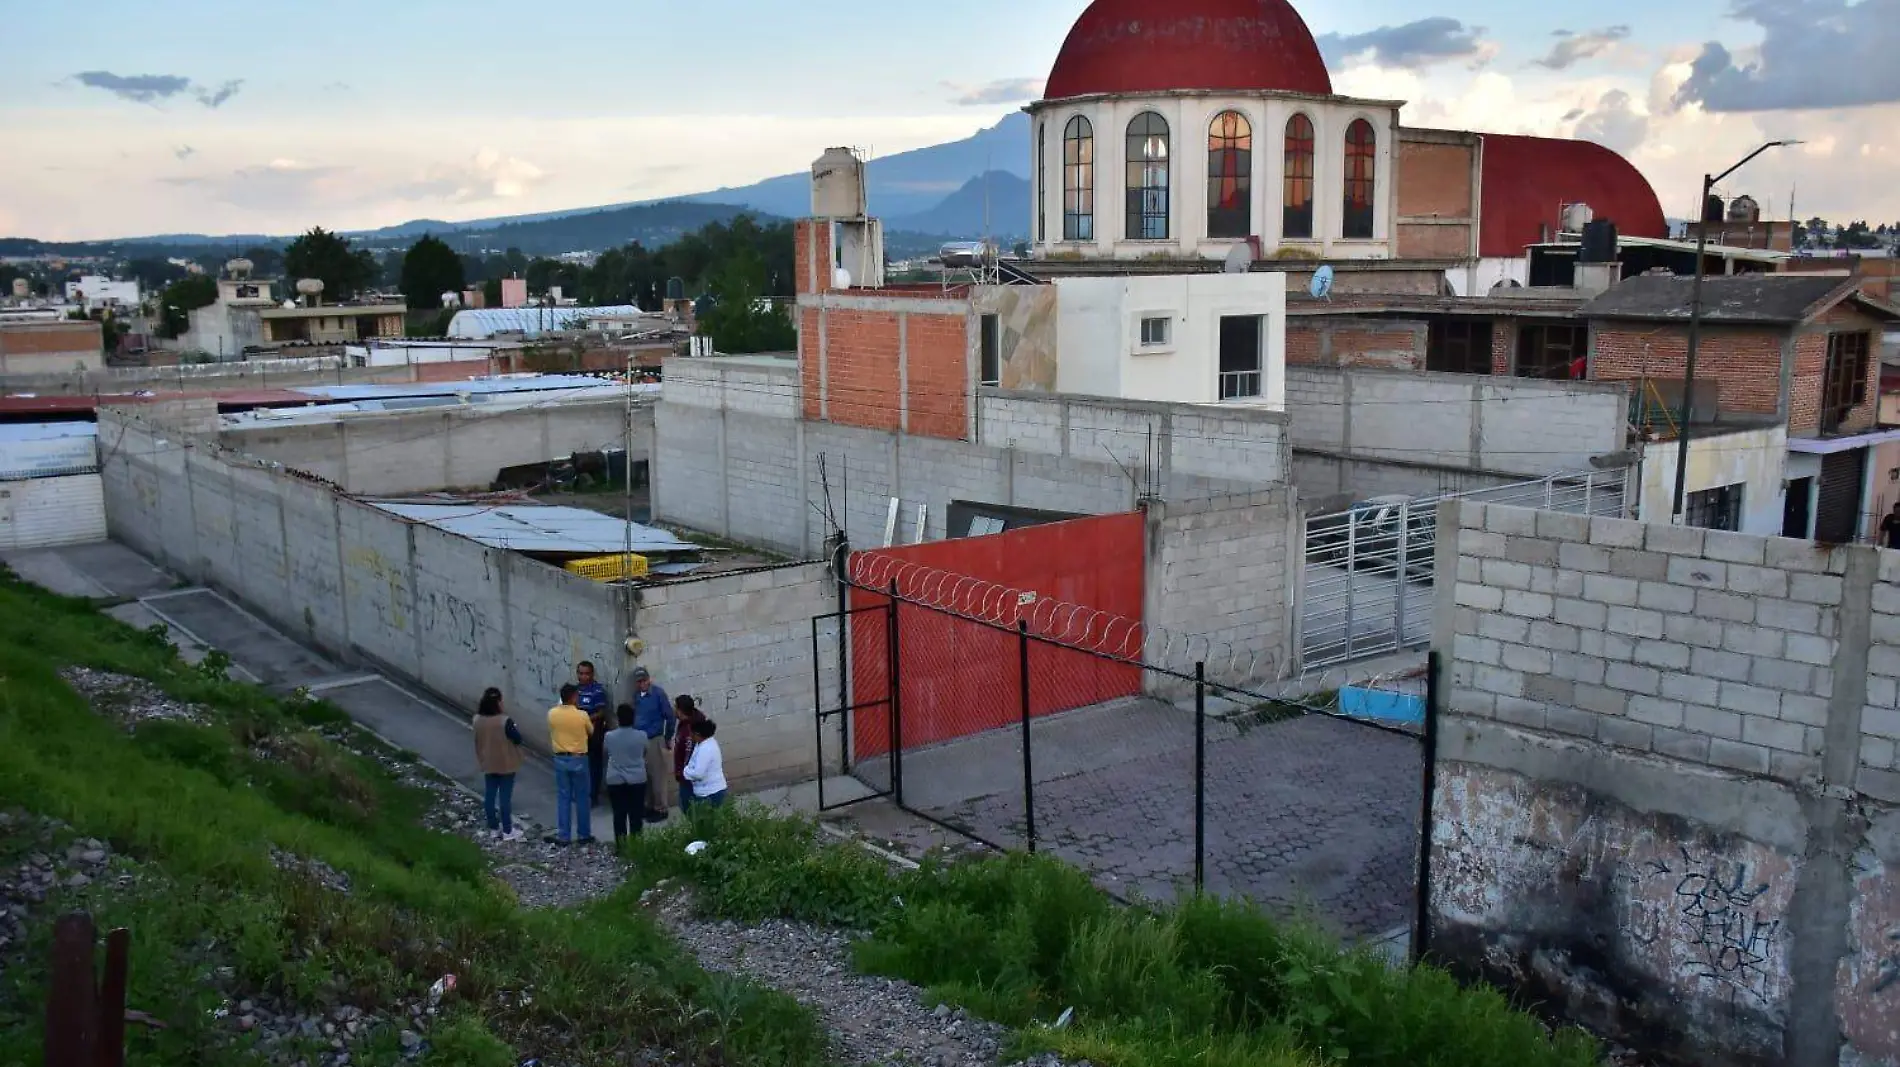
(479, 323)
(530, 383)
(532, 528)
(1760, 299)
(46, 431)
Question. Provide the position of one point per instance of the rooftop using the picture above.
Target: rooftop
(530, 321)
(333, 311)
(1749, 299)
(1147, 46)
(532, 528)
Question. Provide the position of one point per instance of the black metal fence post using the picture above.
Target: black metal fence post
(1422, 924)
(1200, 777)
(896, 683)
(818, 694)
(1029, 760)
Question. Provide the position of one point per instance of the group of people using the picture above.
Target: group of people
(641, 755)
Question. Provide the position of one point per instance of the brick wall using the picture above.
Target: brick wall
(1503, 347)
(1810, 371)
(1224, 570)
(937, 361)
(1668, 799)
(1340, 341)
(1435, 178)
(50, 347)
(1745, 362)
(861, 368)
(887, 362)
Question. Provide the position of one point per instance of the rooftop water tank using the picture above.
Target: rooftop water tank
(837, 185)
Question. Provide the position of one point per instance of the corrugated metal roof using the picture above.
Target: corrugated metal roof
(46, 431)
(481, 323)
(488, 404)
(531, 383)
(531, 528)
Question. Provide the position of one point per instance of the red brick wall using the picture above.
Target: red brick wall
(1744, 362)
(811, 248)
(1810, 371)
(1503, 345)
(861, 368)
(1305, 342)
(1343, 342)
(808, 337)
(51, 338)
(1435, 179)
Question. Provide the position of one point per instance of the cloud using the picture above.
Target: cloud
(1001, 91)
(489, 176)
(139, 88)
(276, 185)
(184, 152)
(215, 98)
(1814, 54)
(1414, 45)
(153, 88)
(1614, 123)
(1573, 48)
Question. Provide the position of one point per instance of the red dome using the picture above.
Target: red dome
(1527, 180)
(1146, 46)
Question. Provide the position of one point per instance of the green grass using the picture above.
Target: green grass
(200, 813)
(1021, 939)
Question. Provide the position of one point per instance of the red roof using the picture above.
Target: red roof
(1145, 46)
(1528, 180)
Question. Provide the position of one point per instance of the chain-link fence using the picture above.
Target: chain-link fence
(1306, 799)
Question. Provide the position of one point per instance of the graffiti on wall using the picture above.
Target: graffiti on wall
(1868, 989)
(454, 620)
(384, 585)
(1709, 914)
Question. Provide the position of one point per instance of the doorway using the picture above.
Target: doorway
(1242, 357)
(1796, 510)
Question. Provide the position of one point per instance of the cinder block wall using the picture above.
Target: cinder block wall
(458, 449)
(1668, 801)
(1224, 573)
(456, 617)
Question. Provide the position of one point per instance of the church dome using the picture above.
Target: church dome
(1147, 46)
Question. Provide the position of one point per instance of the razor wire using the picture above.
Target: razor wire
(1074, 626)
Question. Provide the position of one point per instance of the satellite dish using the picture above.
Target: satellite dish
(1239, 260)
(1322, 284)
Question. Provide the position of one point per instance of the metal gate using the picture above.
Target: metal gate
(1368, 570)
(852, 679)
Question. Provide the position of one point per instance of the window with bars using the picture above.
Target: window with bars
(1361, 166)
(1242, 366)
(1844, 387)
(1147, 178)
(1298, 193)
(1714, 509)
(1078, 180)
(1556, 351)
(1230, 176)
(1459, 346)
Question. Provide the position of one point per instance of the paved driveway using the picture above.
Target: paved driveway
(1311, 814)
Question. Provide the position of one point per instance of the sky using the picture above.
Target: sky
(206, 116)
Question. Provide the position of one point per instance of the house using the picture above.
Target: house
(50, 347)
(1789, 353)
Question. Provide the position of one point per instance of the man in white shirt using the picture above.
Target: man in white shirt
(706, 770)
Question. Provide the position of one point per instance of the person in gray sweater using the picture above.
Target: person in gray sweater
(626, 749)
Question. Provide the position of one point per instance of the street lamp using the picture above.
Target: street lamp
(1695, 325)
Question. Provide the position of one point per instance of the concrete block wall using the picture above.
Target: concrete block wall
(454, 616)
(1666, 804)
(767, 480)
(1471, 422)
(1226, 572)
(409, 452)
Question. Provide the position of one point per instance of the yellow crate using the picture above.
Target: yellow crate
(609, 568)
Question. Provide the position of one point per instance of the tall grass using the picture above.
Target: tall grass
(1023, 940)
(211, 914)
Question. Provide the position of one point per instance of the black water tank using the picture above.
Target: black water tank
(1599, 242)
(676, 289)
(1713, 209)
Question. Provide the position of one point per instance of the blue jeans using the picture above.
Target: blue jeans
(573, 792)
(686, 796)
(713, 800)
(498, 801)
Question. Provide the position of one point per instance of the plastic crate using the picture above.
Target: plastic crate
(613, 568)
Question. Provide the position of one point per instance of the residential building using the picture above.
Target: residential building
(99, 291)
(50, 347)
(331, 323)
(1794, 354)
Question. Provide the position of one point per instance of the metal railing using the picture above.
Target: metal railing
(1368, 570)
(1240, 385)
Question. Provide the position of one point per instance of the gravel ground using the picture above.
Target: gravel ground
(874, 1022)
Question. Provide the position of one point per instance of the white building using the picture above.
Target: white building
(1181, 338)
(99, 291)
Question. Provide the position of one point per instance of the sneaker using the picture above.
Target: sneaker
(512, 835)
(558, 842)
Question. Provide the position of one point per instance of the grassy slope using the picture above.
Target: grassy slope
(200, 814)
(1020, 939)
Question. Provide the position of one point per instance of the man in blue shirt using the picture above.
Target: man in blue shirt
(592, 699)
(653, 715)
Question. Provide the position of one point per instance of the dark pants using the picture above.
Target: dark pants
(498, 801)
(597, 763)
(716, 800)
(686, 794)
(629, 803)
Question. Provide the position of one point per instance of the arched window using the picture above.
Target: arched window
(1042, 182)
(1298, 193)
(1078, 180)
(1361, 161)
(1230, 176)
(1148, 178)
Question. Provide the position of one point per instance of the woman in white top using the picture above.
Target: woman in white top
(705, 770)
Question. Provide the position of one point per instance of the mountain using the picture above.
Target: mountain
(909, 183)
(936, 192)
(997, 204)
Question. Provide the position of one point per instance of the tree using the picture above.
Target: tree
(491, 293)
(429, 269)
(345, 271)
(741, 320)
(180, 299)
(266, 262)
(154, 273)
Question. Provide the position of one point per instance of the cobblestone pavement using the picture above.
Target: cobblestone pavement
(1312, 814)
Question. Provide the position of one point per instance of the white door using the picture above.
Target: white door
(43, 512)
